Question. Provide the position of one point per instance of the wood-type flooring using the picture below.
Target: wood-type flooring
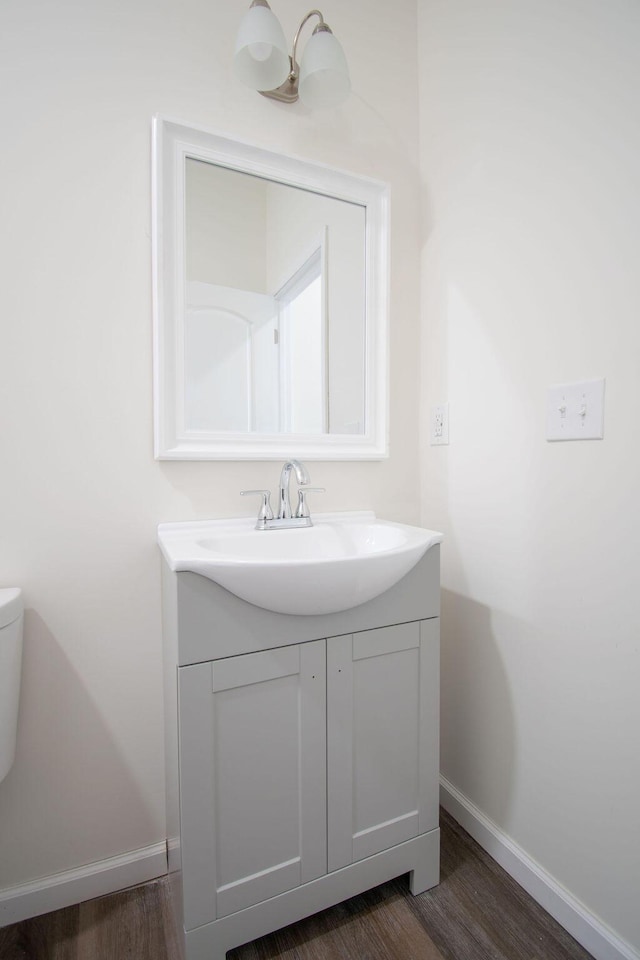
(476, 913)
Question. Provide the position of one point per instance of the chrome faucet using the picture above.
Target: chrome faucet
(285, 518)
(284, 500)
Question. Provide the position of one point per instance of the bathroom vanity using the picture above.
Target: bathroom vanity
(302, 753)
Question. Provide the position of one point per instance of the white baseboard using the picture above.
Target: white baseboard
(584, 926)
(84, 883)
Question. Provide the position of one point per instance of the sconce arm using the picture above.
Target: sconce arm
(321, 26)
(288, 91)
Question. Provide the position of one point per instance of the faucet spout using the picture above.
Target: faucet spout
(302, 477)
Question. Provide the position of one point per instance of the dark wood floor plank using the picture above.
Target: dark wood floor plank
(480, 913)
(173, 949)
(52, 936)
(126, 926)
(402, 937)
(10, 948)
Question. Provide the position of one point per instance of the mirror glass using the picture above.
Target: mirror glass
(270, 322)
(266, 348)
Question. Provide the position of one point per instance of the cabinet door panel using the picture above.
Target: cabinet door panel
(382, 696)
(258, 777)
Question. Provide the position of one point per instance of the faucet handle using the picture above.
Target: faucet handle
(303, 507)
(265, 512)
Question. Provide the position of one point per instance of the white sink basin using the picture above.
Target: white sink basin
(343, 560)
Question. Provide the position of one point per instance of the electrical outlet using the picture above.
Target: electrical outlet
(440, 424)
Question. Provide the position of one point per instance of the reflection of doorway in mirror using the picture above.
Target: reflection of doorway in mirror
(230, 360)
(303, 349)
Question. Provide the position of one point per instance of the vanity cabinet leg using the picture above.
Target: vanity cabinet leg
(421, 879)
(210, 947)
(426, 873)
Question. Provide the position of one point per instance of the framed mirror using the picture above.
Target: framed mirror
(270, 304)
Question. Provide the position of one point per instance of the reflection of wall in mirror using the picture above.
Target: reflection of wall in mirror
(225, 225)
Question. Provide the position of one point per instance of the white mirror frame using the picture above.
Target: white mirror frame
(173, 144)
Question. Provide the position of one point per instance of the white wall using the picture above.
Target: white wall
(80, 493)
(530, 146)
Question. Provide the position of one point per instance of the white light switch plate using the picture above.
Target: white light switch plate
(439, 424)
(575, 411)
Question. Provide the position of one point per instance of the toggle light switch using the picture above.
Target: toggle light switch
(575, 411)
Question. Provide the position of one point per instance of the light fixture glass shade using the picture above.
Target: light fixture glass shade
(324, 74)
(261, 58)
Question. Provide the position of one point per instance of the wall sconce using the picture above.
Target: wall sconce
(263, 63)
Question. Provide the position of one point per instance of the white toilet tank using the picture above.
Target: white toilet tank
(11, 607)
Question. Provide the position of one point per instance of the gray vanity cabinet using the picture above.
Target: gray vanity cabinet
(303, 772)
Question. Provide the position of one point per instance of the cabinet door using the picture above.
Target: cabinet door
(253, 778)
(382, 730)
